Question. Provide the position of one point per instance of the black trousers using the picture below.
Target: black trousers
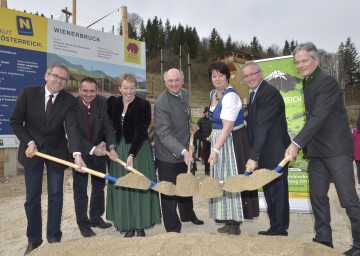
(341, 170)
(277, 200)
(206, 147)
(169, 204)
(97, 201)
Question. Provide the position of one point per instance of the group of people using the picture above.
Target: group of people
(325, 139)
(83, 128)
(50, 120)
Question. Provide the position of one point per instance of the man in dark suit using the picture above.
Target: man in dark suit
(95, 126)
(38, 120)
(172, 131)
(327, 139)
(268, 139)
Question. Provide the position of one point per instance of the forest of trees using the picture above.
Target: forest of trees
(344, 64)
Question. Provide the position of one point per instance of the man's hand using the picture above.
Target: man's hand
(187, 158)
(31, 149)
(99, 151)
(113, 155)
(292, 151)
(102, 144)
(194, 127)
(80, 163)
(251, 165)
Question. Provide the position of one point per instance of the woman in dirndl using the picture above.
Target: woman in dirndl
(230, 147)
(132, 210)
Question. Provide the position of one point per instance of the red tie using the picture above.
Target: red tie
(48, 108)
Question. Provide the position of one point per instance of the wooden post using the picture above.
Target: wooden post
(124, 21)
(3, 3)
(74, 12)
(3, 158)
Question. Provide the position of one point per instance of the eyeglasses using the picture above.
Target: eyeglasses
(55, 76)
(251, 75)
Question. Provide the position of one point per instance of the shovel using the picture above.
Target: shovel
(72, 165)
(138, 180)
(210, 187)
(186, 183)
(261, 177)
(256, 180)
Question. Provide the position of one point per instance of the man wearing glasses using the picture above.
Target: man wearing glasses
(38, 120)
(268, 139)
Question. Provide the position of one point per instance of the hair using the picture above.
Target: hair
(89, 80)
(181, 73)
(307, 46)
(251, 63)
(62, 66)
(128, 77)
(220, 67)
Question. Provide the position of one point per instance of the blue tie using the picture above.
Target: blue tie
(249, 129)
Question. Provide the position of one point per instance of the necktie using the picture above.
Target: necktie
(249, 129)
(48, 108)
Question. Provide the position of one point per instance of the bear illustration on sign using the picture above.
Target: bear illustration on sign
(131, 47)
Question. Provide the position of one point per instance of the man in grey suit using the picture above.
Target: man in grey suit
(172, 129)
(326, 138)
(38, 120)
(94, 126)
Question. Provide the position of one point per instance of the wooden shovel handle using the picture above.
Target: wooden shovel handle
(282, 164)
(72, 165)
(132, 169)
(191, 143)
(191, 149)
(284, 161)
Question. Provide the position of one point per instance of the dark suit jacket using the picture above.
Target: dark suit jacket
(101, 128)
(28, 123)
(269, 127)
(136, 122)
(326, 132)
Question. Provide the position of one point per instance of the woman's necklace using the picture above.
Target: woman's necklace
(217, 97)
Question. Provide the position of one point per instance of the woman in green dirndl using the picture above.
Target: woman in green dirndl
(132, 210)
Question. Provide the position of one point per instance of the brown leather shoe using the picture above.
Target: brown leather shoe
(32, 246)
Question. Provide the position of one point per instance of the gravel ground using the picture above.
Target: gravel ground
(194, 240)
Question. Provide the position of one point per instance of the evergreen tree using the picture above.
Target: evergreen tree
(286, 50)
(293, 45)
(255, 47)
(216, 44)
(270, 53)
(229, 45)
(349, 64)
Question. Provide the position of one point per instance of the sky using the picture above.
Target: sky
(326, 23)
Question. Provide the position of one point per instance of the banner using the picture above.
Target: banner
(282, 74)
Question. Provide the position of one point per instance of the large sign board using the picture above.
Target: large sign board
(282, 74)
(29, 43)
